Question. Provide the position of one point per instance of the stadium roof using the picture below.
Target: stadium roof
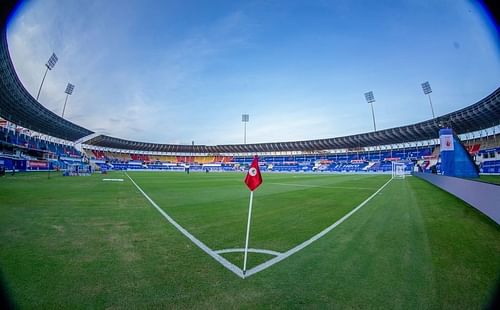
(481, 115)
(16, 103)
(18, 106)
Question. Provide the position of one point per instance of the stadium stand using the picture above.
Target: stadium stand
(23, 141)
(98, 154)
(118, 157)
(23, 152)
(140, 157)
(473, 149)
(164, 159)
(360, 161)
(481, 115)
(488, 156)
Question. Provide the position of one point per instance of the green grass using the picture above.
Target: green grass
(214, 207)
(490, 178)
(78, 242)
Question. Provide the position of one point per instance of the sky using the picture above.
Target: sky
(180, 71)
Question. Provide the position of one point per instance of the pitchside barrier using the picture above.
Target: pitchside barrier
(484, 197)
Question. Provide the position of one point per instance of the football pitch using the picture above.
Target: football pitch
(342, 241)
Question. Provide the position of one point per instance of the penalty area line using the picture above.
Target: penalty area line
(304, 244)
(224, 262)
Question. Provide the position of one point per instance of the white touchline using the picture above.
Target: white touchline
(200, 244)
(278, 256)
(299, 247)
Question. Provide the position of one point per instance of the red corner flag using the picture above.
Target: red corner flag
(253, 178)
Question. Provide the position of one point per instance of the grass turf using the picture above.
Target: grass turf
(490, 178)
(80, 242)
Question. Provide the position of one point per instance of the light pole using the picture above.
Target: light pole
(245, 118)
(426, 87)
(50, 65)
(371, 99)
(68, 91)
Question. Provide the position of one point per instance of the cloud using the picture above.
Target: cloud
(141, 73)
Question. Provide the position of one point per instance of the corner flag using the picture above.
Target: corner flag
(254, 178)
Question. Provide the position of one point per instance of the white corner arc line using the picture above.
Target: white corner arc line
(260, 251)
(299, 247)
(224, 262)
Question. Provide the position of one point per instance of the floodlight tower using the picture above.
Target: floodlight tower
(192, 151)
(50, 65)
(426, 87)
(68, 91)
(371, 99)
(245, 118)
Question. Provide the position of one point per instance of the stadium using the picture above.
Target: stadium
(382, 219)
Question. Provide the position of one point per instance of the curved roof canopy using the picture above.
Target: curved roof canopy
(481, 115)
(16, 103)
(18, 106)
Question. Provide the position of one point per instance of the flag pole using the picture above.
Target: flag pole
(248, 233)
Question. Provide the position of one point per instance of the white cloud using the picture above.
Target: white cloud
(190, 85)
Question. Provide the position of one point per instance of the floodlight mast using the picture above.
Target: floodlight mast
(426, 87)
(245, 118)
(50, 65)
(68, 91)
(371, 99)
